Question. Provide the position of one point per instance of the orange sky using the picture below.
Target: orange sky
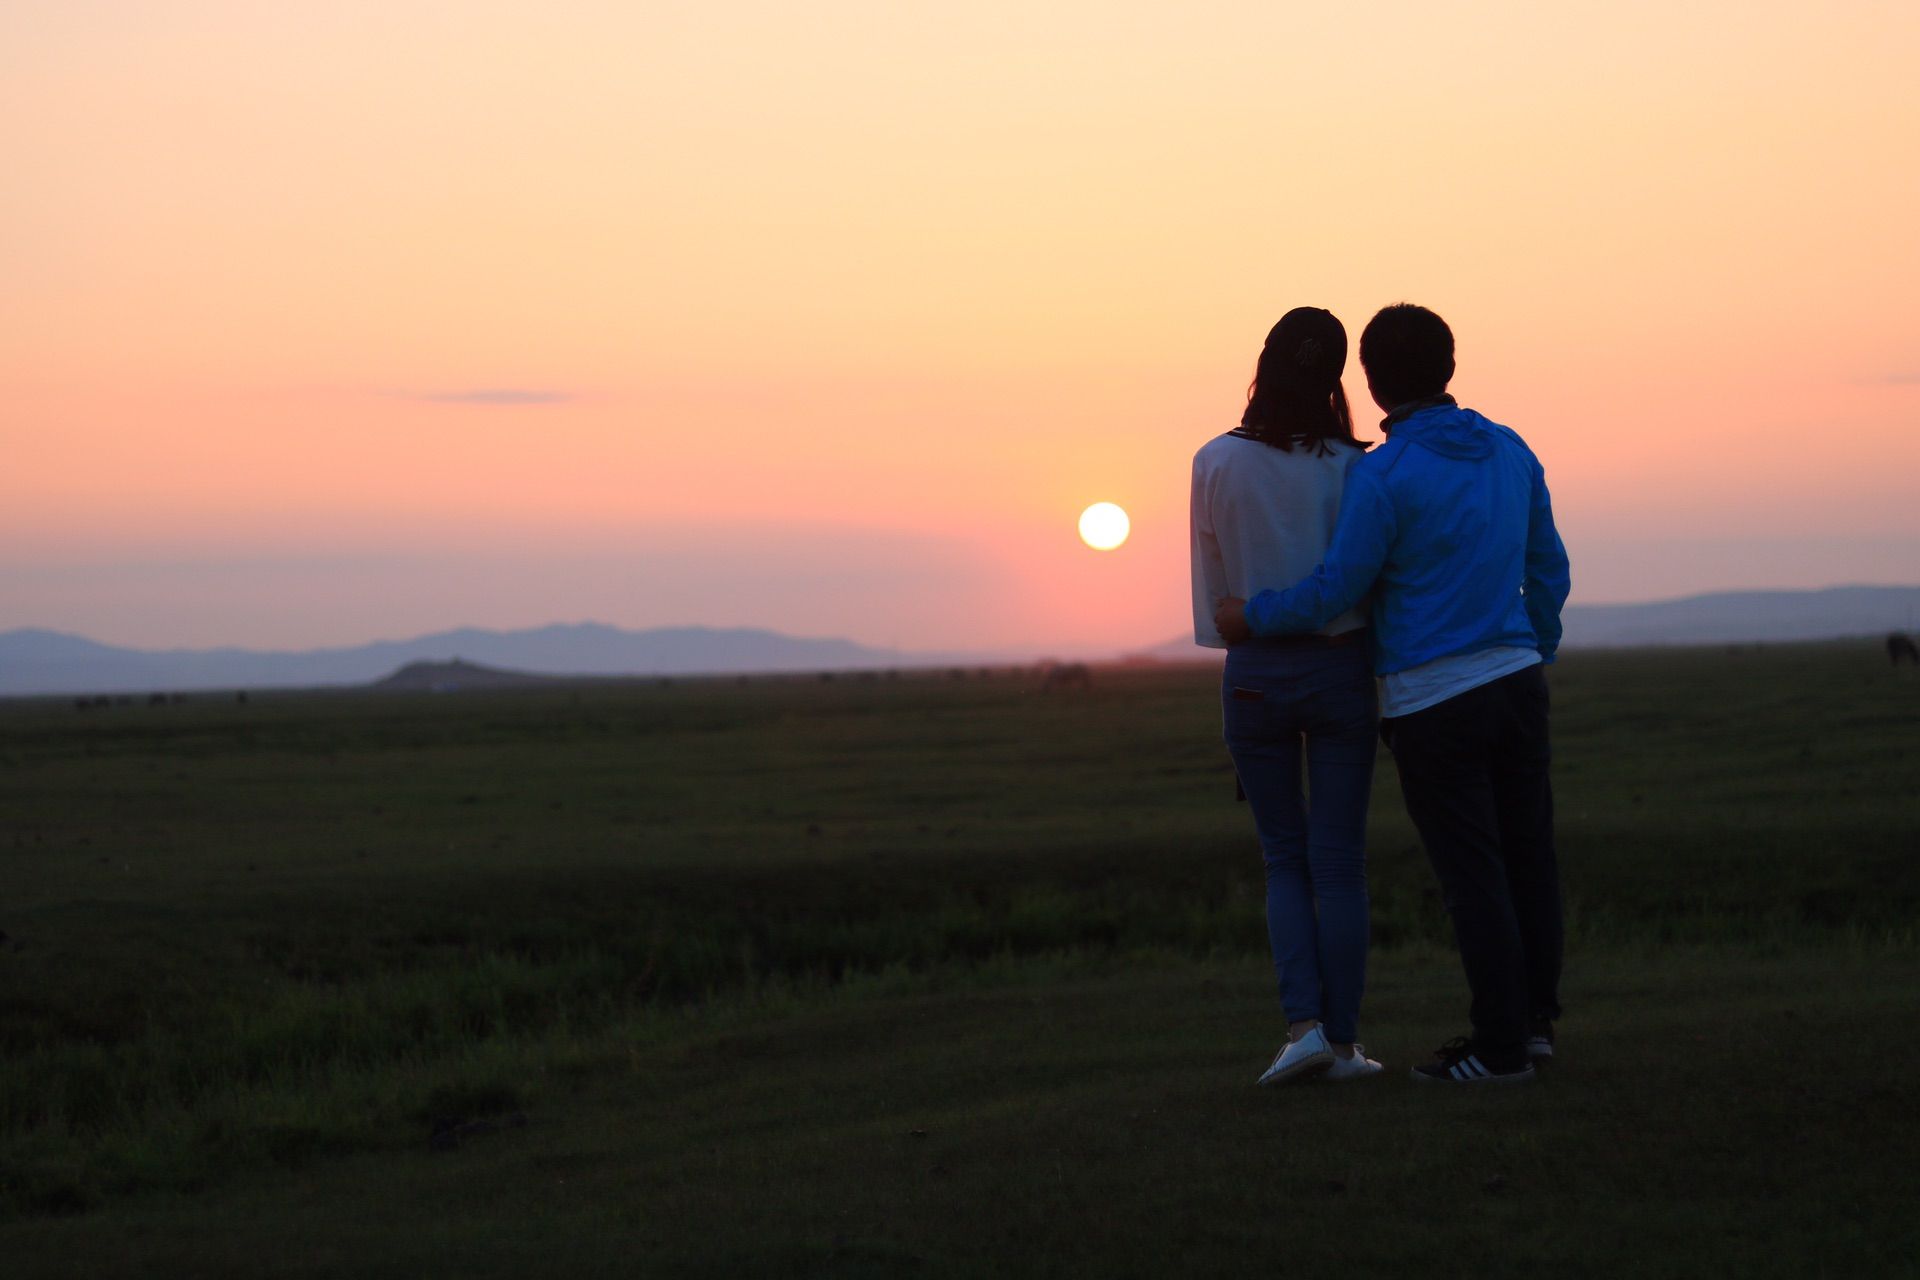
(832, 317)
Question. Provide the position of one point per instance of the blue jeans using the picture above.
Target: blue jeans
(1282, 702)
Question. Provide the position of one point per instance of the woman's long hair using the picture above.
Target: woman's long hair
(1296, 398)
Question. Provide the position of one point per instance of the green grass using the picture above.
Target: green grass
(691, 963)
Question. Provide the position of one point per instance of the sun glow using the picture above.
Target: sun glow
(1104, 526)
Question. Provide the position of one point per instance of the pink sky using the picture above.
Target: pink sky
(831, 318)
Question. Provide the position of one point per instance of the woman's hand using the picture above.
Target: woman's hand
(1230, 619)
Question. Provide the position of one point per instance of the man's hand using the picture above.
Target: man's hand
(1230, 620)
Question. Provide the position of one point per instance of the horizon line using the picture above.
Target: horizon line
(1025, 647)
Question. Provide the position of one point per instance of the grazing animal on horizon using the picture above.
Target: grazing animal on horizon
(1901, 646)
(1067, 675)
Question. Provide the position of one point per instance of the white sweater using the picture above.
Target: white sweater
(1262, 517)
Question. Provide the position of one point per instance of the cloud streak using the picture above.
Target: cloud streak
(496, 396)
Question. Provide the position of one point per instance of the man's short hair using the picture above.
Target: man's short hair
(1407, 352)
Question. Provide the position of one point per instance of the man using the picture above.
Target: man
(1449, 524)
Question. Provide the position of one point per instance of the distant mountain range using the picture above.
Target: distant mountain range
(37, 661)
(45, 662)
(1736, 617)
(1728, 617)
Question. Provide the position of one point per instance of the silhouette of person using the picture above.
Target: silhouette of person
(1265, 498)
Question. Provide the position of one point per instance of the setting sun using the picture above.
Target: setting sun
(327, 322)
(1104, 526)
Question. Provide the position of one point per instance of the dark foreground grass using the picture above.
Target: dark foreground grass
(1702, 1122)
(257, 956)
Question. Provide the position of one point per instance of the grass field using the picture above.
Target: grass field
(932, 977)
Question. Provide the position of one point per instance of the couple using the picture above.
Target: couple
(1432, 562)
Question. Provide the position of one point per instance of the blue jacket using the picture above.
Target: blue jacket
(1450, 525)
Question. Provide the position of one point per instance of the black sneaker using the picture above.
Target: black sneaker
(1540, 1043)
(1458, 1062)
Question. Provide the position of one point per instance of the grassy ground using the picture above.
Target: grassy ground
(842, 978)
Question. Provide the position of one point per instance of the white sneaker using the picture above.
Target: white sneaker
(1540, 1043)
(1305, 1057)
(1358, 1067)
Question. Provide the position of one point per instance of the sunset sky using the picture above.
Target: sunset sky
(327, 322)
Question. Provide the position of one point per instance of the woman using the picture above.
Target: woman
(1265, 497)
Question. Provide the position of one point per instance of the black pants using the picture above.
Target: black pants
(1473, 770)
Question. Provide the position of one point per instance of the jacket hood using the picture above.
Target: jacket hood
(1449, 431)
